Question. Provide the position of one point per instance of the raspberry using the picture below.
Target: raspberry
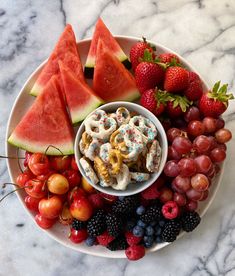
(170, 210)
(148, 100)
(96, 200)
(104, 239)
(151, 192)
(135, 252)
(131, 239)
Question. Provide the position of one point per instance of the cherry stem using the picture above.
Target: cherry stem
(18, 160)
(10, 194)
(8, 183)
(51, 146)
(11, 157)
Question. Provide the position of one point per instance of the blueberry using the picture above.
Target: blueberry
(162, 223)
(121, 198)
(138, 231)
(90, 241)
(140, 210)
(158, 239)
(148, 241)
(141, 223)
(149, 231)
(158, 231)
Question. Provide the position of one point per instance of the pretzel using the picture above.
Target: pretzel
(115, 160)
(123, 178)
(89, 172)
(139, 177)
(128, 140)
(146, 127)
(122, 116)
(81, 147)
(153, 157)
(101, 169)
(92, 150)
(104, 152)
(99, 125)
(111, 183)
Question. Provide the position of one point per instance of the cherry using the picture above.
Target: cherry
(44, 177)
(81, 209)
(35, 188)
(65, 217)
(26, 160)
(75, 193)
(74, 165)
(87, 187)
(78, 236)
(38, 163)
(50, 207)
(60, 163)
(22, 178)
(73, 177)
(32, 203)
(57, 184)
(44, 223)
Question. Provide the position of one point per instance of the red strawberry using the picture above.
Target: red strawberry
(131, 239)
(215, 102)
(137, 52)
(177, 106)
(151, 192)
(169, 58)
(148, 75)
(194, 90)
(104, 239)
(155, 100)
(176, 79)
(135, 252)
(96, 200)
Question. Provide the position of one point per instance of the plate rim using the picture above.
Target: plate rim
(119, 254)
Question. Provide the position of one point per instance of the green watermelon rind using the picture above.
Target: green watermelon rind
(34, 147)
(35, 90)
(128, 96)
(79, 114)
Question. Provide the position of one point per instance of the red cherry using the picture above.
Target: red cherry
(32, 203)
(81, 209)
(60, 163)
(75, 193)
(22, 178)
(74, 165)
(73, 177)
(44, 223)
(27, 156)
(78, 236)
(45, 177)
(35, 188)
(50, 207)
(38, 163)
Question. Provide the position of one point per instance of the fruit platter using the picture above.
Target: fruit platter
(73, 161)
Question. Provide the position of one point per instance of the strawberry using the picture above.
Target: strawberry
(104, 239)
(176, 79)
(177, 106)
(131, 239)
(169, 58)
(194, 90)
(155, 100)
(135, 252)
(137, 52)
(215, 102)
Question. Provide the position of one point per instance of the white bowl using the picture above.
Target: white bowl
(21, 105)
(135, 187)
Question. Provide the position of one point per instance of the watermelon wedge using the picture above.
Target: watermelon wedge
(112, 81)
(66, 50)
(46, 123)
(101, 31)
(81, 100)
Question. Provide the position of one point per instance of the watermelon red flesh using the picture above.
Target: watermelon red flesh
(46, 123)
(112, 81)
(66, 50)
(101, 31)
(81, 100)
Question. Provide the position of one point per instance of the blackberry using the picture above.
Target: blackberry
(171, 230)
(78, 224)
(190, 221)
(96, 225)
(114, 225)
(119, 243)
(153, 213)
(127, 206)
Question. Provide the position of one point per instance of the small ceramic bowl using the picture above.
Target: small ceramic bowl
(132, 188)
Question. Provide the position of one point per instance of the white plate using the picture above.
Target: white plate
(21, 105)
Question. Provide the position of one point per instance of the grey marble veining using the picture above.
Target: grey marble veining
(203, 31)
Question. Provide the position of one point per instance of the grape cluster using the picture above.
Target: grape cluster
(196, 149)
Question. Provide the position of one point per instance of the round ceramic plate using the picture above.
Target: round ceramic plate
(20, 107)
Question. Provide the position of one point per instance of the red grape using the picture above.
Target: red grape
(180, 199)
(203, 163)
(171, 168)
(187, 167)
(182, 183)
(211, 172)
(182, 145)
(202, 144)
(209, 124)
(166, 194)
(173, 154)
(196, 128)
(200, 182)
(220, 123)
(172, 133)
(214, 144)
(222, 146)
(218, 155)
(191, 205)
(223, 135)
(191, 114)
(193, 194)
(204, 196)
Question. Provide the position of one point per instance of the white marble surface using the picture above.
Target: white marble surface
(203, 31)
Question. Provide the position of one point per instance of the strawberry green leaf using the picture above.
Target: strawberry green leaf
(162, 97)
(220, 93)
(216, 87)
(181, 101)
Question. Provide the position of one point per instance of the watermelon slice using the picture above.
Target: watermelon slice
(46, 123)
(101, 31)
(112, 81)
(66, 50)
(81, 100)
